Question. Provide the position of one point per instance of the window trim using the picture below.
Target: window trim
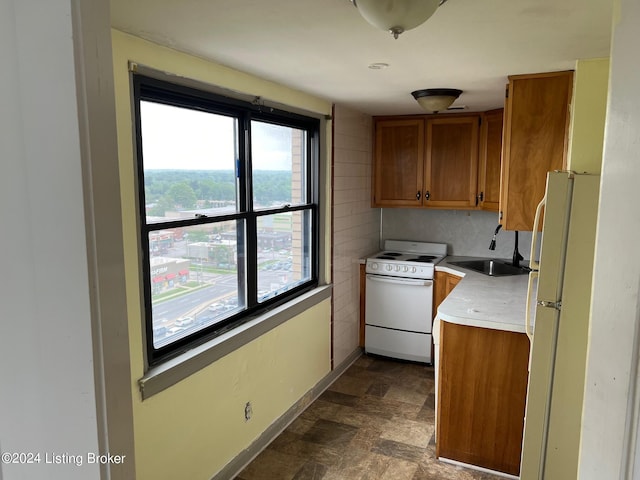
(250, 318)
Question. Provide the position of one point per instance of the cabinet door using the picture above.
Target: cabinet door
(398, 161)
(535, 142)
(451, 162)
(482, 394)
(452, 281)
(443, 283)
(439, 289)
(490, 159)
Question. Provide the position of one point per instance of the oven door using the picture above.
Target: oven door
(398, 318)
(399, 303)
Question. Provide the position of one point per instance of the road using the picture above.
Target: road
(221, 288)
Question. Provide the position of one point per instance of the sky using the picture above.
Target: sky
(205, 141)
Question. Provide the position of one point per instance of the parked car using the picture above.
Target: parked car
(215, 307)
(159, 331)
(174, 330)
(183, 322)
(231, 302)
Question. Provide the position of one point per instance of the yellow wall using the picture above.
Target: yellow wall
(588, 115)
(192, 429)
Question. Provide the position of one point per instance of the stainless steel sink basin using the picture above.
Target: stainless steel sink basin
(492, 267)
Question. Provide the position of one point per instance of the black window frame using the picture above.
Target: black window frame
(151, 89)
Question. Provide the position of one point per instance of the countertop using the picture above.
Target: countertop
(483, 301)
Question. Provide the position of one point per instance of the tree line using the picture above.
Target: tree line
(181, 189)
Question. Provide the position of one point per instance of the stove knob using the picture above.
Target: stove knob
(374, 266)
(413, 269)
(405, 269)
(397, 268)
(388, 267)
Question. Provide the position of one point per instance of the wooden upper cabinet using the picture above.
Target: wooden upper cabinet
(425, 161)
(490, 160)
(451, 162)
(398, 163)
(535, 142)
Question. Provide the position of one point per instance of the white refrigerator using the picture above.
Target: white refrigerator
(558, 326)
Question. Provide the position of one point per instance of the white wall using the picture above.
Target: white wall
(615, 310)
(47, 389)
(356, 226)
(63, 307)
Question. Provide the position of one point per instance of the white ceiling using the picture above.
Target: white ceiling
(324, 47)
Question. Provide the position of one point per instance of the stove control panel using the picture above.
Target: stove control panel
(399, 269)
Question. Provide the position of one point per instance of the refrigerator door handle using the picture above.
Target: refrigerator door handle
(533, 264)
(528, 326)
(545, 303)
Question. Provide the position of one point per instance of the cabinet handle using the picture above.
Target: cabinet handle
(427, 195)
(418, 196)
(481, 196)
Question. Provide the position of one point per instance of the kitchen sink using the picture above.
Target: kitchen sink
(492, 267)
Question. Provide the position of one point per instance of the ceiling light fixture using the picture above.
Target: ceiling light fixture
(397, 16)
(436, 99)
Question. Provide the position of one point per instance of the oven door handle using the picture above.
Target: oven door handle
(400, 281)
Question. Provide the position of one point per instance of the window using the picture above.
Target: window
(228, 211)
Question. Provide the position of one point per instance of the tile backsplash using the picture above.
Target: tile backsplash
(467, 233)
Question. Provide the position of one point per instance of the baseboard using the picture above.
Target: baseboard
(479, 469)
(235, 466)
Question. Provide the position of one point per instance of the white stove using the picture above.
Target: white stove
(407, 259)
(399, 299)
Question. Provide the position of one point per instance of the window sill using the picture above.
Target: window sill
(161, 377)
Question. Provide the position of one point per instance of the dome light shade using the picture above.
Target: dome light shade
(397, 16)
(436, 99)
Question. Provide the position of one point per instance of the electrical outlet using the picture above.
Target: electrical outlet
(248, 411)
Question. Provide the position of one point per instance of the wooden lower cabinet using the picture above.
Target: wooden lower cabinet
(443, 283)
(482, 394)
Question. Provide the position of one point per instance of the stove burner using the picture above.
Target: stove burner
(422, 258)
(386, 257)
(392, 254)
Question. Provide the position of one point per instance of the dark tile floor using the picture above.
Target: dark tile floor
(376, 422)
